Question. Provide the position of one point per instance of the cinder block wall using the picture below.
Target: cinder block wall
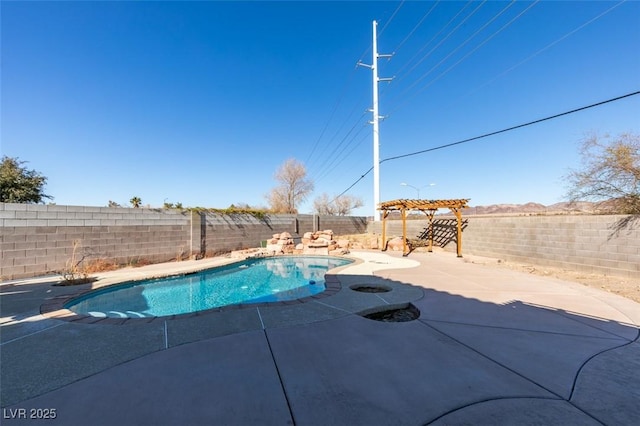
(38, 239)
(239, 231)
(608, 244)
(343, 225)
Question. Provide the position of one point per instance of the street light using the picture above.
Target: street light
(416, 188)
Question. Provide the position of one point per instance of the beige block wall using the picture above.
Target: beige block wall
(608, 244)
(38, 239)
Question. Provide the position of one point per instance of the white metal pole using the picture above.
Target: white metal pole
(376, 132)
(376, 122)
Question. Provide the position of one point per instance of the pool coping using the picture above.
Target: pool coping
(54, 307)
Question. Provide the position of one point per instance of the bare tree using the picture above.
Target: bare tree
(346, 203)
(293, 189)
(338, 206)
(610, 173)
(322, 205)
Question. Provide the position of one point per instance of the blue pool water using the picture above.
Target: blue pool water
(252, 281)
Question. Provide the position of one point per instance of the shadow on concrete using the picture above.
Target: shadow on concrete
(463, 361)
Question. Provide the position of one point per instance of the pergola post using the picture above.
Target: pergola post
(459, 232)
(404, 232)
(384, 230)
(430, 215)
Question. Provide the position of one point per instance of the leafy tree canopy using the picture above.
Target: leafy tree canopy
(136, 202)
(19, 184)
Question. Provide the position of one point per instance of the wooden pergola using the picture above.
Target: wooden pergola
(428, 207)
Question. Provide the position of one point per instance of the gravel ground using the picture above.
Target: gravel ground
(624, 286)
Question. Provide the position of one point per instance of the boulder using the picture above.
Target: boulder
(395, 244)
(339, 251)
(321, 251)
(285, 235)
(274, 249)
(373, 244)
(343, 243)
(318, 243)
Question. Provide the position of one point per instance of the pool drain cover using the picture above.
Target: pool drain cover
(370, 288)
(405, 314)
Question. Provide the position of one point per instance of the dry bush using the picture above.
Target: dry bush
(101, 265)
(74, 271)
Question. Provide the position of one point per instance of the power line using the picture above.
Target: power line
(486, 135)
(399, 74)
(439, 44)
(383, 28)
(391, 19)
(326, 171)
(319, 159)
(485, 41)
(425, 16)
(330, 158)
(335, 108)
(417, 26)
(548, 46)
(460, 45)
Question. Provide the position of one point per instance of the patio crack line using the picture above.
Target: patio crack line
(603, 330)
(575, 379)
(570, 315)
(31, 334)
(275, 364)
(514, 371)
(471, 404)
(497, 327)
(334, 307)
(383, 299)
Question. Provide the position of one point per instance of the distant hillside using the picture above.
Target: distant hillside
(528, 209)
(534, 208)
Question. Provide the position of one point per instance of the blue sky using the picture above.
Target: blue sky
(200, 102)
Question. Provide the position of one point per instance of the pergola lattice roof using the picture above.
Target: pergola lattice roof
(423, 204)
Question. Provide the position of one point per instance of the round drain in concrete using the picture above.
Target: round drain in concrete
(396, 314)
(370, 288)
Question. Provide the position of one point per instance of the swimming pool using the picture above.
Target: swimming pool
(252, 281)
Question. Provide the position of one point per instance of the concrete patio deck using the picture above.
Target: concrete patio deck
(491, 346)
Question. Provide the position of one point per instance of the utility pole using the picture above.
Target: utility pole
(376, 122)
